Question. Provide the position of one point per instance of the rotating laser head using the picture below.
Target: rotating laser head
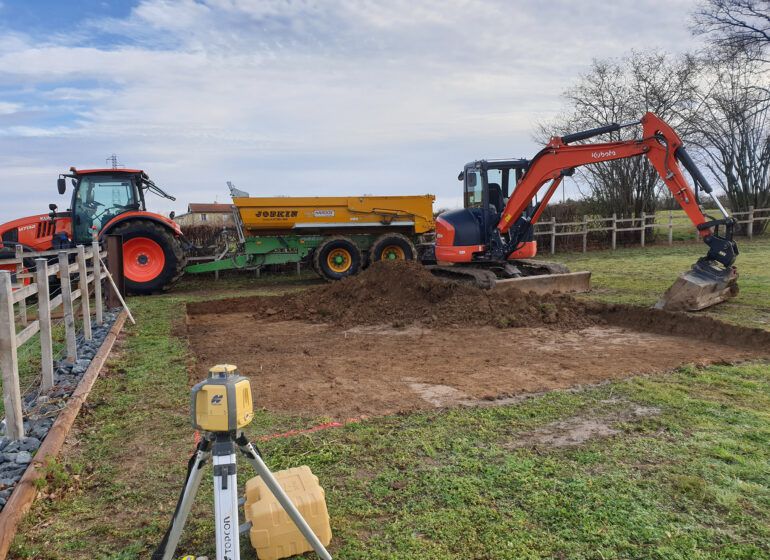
(222, 401)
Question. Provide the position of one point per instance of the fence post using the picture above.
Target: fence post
(670, 227)
(85, 305)
(115, 268)
(553, 235)
(585, 233)
(299, 270)
(19, 254)
(97, 267)
(44, 316)
(750, 225)
(69, 316)
(644, 226)
(614, 231)
(9, 362)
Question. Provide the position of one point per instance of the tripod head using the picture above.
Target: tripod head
(221, 403)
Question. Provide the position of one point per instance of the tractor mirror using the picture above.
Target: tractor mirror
(171, 215)
(52, 207)
(461, 176)
(61, 184)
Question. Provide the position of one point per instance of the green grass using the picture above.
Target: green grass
(691, 481)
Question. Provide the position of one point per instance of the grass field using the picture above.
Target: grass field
(684, 475)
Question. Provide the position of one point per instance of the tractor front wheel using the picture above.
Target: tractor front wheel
(152, 256)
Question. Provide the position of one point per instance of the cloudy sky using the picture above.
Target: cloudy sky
(295, 97)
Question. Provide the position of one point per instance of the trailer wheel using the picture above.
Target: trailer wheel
(337, 258)
(392, 247)
(152, 257)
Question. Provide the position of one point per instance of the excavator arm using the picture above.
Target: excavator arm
(660, 144)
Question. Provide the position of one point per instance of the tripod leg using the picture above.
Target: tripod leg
(167, 547)
(259, 465)
(226, 499)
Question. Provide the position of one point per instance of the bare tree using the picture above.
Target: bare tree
(733, 131)
(735, 26)
(622, 90)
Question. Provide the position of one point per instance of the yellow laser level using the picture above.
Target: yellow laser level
(222, 402)
(221, 405)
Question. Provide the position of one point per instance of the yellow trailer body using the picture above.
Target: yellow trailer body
(349, 213)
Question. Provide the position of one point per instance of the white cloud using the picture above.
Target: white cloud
(7, 108)
(314, 97)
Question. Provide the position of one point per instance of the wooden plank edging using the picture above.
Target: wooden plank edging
(24, 492)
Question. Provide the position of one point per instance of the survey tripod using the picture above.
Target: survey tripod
(221, 449)
(221, 405)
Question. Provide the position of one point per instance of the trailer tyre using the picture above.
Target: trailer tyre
(152, 256)
(392, 247)
(337, 258)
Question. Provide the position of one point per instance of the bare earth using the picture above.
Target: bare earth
(316, 369)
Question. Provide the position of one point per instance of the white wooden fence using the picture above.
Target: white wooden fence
(644, 224)
(13, 296)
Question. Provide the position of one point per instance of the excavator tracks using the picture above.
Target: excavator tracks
(479, 277)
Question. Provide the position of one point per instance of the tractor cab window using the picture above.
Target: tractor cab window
(98, 200)
(473, 188)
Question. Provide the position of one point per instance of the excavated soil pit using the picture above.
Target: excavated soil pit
(395, 339)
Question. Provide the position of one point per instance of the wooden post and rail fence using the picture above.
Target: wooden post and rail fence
(74, 298)
(645, 224)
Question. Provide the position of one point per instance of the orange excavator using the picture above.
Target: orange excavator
(492, 236)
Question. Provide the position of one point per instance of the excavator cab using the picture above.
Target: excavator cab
(487, 186)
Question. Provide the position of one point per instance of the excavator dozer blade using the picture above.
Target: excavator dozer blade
(541, 284)
(700, 287)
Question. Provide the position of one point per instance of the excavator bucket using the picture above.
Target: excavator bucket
(700, 287)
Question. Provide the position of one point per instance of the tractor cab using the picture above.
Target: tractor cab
(99, 196)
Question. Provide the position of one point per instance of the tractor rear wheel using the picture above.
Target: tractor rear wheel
(152, 256)
(337, 258)
(392, 247)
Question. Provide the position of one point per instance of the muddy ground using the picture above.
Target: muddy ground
(396, 339)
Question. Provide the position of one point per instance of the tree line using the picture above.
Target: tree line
(717, 99)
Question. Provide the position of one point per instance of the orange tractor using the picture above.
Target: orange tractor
(107, 201)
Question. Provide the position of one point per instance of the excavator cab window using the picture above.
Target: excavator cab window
(98, 199)
(474, 188)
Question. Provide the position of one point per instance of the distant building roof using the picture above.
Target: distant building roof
(198, 208)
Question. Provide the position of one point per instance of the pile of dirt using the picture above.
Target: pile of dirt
(698, 327)
(404, 293)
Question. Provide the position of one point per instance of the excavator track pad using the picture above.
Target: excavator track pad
(481, 278)
(704, 285)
